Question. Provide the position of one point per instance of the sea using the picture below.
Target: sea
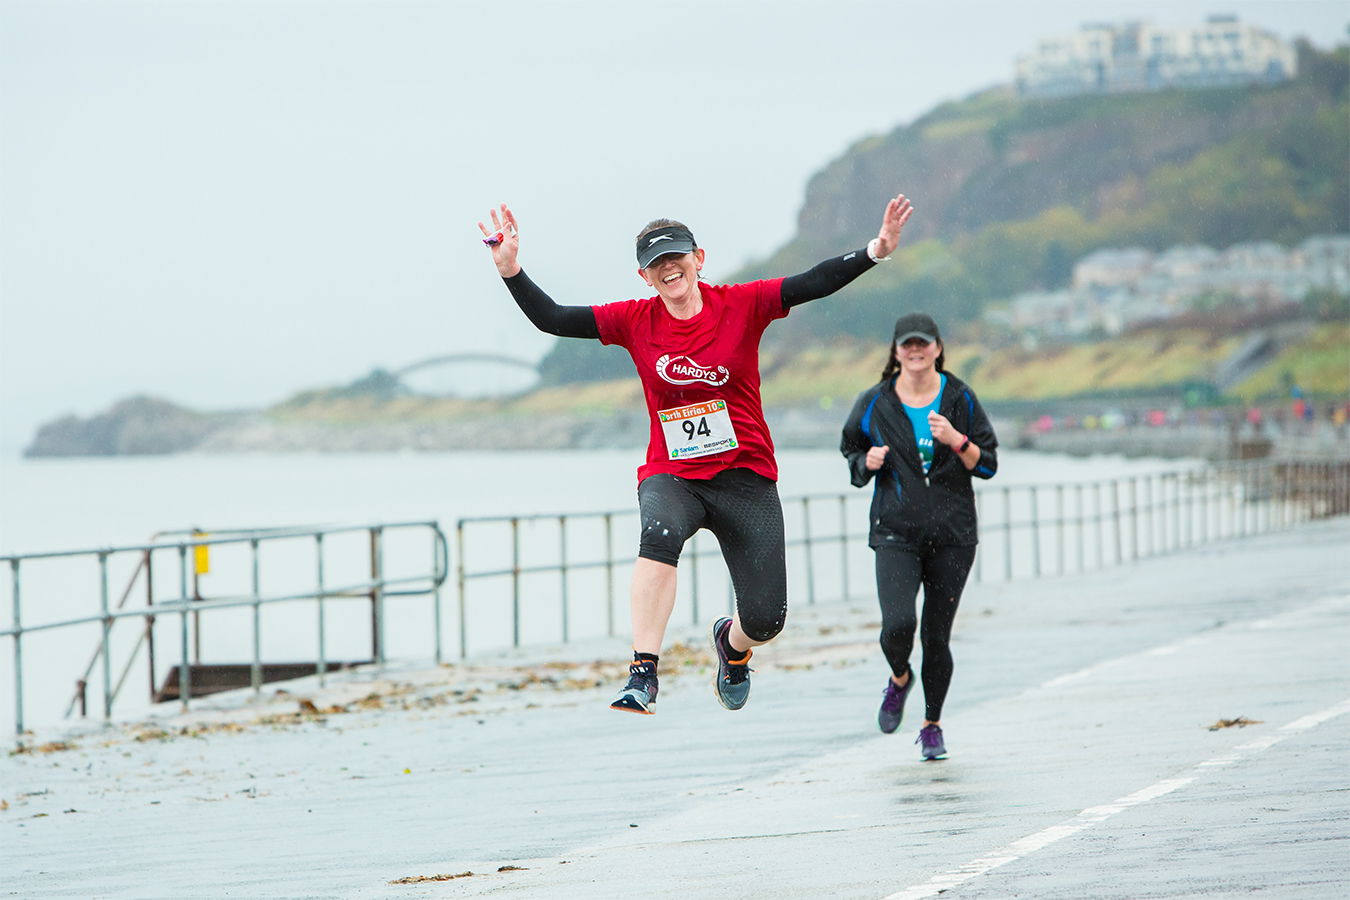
(63, 504)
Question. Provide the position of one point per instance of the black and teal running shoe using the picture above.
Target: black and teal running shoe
(732, 681)
(639, 695)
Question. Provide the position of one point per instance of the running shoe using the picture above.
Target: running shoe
(930, 739)
(893, 704)
(733, 679)
(639, 695)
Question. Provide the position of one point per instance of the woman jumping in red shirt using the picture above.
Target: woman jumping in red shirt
(710, 459)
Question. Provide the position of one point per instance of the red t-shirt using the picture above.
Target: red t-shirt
(700, 377)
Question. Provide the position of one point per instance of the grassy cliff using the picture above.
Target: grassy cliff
(1010, 192)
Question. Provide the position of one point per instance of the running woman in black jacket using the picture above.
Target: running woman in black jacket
(920, 435)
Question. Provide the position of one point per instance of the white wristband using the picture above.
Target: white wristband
(872, 255)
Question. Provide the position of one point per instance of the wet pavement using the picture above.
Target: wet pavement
(1088, 758)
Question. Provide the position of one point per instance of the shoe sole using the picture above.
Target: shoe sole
(629, 703)
(717, 673)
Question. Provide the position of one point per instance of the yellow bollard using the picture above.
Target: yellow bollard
(201, 556)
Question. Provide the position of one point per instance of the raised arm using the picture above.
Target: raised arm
(829, 276)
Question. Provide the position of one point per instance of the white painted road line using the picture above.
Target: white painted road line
(1096, 814)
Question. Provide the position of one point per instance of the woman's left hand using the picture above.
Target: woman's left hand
(943, 432)
(892, 221)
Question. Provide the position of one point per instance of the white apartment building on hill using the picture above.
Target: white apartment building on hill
(1136, 56)
(1114, 288)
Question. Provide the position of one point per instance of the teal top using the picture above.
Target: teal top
(923, 435)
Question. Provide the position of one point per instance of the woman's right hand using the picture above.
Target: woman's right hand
(504, 252)
(876, 458)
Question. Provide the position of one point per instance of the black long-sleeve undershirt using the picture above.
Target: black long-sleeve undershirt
(548, 316)
(820, 280)
(824, 278)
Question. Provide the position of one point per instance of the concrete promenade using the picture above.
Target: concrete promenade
(1083, 762)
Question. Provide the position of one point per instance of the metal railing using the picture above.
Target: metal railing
(182, 597)
(538, 579)
(536, 565)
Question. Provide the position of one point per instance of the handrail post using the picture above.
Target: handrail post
(255, 668)
(1059, 526)
(150, 619)
(1151, 526)
(1007, 534)
(1035, 532)
(16, 616)
(185, 667)
(693, 577)
(562, 574)
(609, 572)
(979, 517)
(1183, 509)
(462, 586)
(843, 547)
(1206, 497)
(1082, 526)
(106, 667)
(377, 594)
(1115, 513)
(319, 595)
(806, 545)
(437, 545)
(1171, 533)
(1097, 523)
(196, 597)
(1134, 517)
(515, 581)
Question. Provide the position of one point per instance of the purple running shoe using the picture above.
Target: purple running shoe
(893, 704)
(930, 739)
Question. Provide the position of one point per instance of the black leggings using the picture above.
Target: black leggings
(942, 571)
(741, 508)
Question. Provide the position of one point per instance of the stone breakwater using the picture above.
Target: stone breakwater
(147, 426)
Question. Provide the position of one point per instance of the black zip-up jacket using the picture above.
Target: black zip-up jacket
(910, 509)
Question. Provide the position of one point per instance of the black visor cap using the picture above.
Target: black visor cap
(671, 239)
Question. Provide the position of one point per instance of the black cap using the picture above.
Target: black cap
(920, 325)
(660, 241)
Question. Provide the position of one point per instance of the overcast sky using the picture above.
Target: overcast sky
(222, 203)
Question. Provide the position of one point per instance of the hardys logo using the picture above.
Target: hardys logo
(683, 370)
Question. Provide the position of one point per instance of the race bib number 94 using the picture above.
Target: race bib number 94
(699, 429)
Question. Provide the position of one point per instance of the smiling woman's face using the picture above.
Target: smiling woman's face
(674, 275)
(917, 355)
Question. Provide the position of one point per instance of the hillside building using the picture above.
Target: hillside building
(1115, 288)
(1103, 58)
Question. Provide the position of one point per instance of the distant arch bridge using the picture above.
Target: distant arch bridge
(447, 359)
(469, 374)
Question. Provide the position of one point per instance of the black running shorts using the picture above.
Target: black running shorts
(742, 510)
